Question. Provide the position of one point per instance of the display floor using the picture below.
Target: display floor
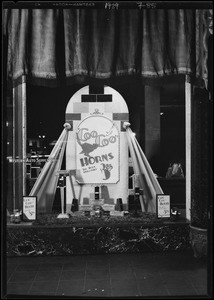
(124, 236)
(108, 275)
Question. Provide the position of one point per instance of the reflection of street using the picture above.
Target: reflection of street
(34, 165)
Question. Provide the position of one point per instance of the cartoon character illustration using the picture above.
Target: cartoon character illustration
(87, 147)
(106, 168)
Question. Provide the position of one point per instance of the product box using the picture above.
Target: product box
(108, 207)
(85, 207)
(96, 202)
(116, 213)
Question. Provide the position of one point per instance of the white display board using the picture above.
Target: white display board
(97, 147)
(97, 150)
(163, 206)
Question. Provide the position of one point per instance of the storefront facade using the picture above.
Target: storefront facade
(146, 56)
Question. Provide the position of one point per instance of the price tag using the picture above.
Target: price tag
(29, 210)
(163, 206)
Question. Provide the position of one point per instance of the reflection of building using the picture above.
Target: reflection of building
(34, 165)
(38, 145)
(37, 155)
(172, 61)
(33, 145)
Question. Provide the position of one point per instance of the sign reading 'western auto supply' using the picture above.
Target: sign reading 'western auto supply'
(97, 150)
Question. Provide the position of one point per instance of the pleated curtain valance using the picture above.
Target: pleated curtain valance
(63, 43)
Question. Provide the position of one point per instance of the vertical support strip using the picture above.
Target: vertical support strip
(188, 100)
(19, 143)
(14, 153)
(24, 132)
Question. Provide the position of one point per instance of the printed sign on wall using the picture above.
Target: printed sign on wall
(97, 150)
(163, 206)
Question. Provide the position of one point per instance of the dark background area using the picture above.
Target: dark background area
(46, 116)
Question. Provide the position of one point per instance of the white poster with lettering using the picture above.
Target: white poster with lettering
(29, 208)
(163, 206)
(97, 151)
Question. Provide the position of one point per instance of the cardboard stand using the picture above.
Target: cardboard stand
(97, 147)
(62, 184)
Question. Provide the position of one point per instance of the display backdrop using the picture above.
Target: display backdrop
(97, 148)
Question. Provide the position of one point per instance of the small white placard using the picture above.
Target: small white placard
(29, 208)
(163, 206)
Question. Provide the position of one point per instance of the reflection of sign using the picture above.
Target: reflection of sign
(163, 206)
(97, 150)
(29, 208)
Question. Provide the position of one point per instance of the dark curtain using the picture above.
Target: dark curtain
(60, 44)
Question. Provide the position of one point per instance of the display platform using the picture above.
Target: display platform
(82, 235)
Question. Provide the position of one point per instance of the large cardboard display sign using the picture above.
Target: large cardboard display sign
(97, 148)
(97, 151)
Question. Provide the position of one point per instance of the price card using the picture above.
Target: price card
(163, 206)
(29, 210)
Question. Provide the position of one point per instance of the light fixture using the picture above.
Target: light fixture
(161, 113)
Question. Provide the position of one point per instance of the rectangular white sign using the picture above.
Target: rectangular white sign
(29, 208)
(163, 206)
(97, 150)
